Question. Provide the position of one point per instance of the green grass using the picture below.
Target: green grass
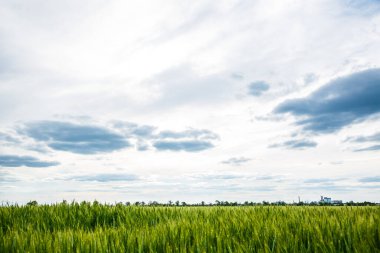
(104, 228)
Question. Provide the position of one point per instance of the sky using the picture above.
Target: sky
(189, 100)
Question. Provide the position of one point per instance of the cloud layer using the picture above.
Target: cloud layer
(93, 139)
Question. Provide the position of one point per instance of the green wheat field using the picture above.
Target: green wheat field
(89, 227)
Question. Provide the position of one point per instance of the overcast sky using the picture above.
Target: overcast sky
(189, 100)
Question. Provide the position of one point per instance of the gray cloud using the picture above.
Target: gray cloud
(236, 161)
(295, 144)
(237, 76)
(321, 180)
(8, 138)
(309, 78)
(270, 178)
(105, 177)
(183, 145)
(75, 138)
(27, 161)
(341, 102)
(218, 176)
(135, 130)
(370, 148)
(82, 138)
(7, 177)
(369, 138)
(190, 133)
(364, 139)
(257, 88)
(375, 179)
(190, 140)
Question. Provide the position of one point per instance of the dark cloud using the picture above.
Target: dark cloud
(257, 88)
(183, 145)
(341, 102)
(27, 161)
(75, 138)
(236, 161)
(295, 144)
(105, 177)
(375, 179)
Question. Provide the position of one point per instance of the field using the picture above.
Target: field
(89, 227)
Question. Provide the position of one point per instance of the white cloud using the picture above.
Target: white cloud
(180, 65)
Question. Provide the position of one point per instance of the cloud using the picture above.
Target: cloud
(321, 180)
(339, 103)
(370, 148)
(309, 78)
(365, 7)
(75, 138)
(270, 177)
(7, 177)
(27, 161)
(295, 144)
(8, 138)
(364, 139)
(184, 145)
(218, 176)
(257, 88)
(236, 161)
(190, 140)
(105, 177)
(375, 179)
(133, 129)
(237, 76)
(190, 133)
(369, 138)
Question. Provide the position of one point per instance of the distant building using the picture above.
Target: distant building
(327, 200)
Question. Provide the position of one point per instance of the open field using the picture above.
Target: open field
(117, 228)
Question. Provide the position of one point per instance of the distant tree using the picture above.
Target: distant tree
(32, 203)
(177, 203)
(183, 203)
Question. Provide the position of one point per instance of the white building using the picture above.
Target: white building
(328, 200)
(325, 200)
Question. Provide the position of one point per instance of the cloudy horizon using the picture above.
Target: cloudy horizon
(167, 100)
